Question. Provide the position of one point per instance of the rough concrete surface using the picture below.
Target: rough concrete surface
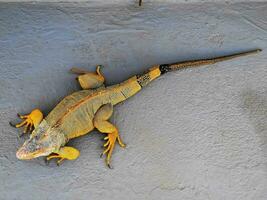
(194, 134)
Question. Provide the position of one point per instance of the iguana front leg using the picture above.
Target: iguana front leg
(29, 121)
(68, 153)
(101, 123)
(89, 80)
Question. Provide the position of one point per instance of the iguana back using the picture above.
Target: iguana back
(72, 117)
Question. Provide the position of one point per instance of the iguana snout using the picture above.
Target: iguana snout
(24, 153)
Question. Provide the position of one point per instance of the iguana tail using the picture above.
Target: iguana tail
(196, 63)
(158, 70)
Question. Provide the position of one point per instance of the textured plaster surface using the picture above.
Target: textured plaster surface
(194, 134)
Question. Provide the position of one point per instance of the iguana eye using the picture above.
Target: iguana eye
(37, 137)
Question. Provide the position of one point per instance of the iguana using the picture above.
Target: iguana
(90, 108)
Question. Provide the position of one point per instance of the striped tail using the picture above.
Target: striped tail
(196, 63)
(158, 70)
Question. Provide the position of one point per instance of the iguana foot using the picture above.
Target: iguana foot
(110, 144)
(30, 121)
(101, 123)
(68, 153)
(89, 80)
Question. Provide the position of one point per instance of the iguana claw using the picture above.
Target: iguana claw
(11, 124)
(46, 161)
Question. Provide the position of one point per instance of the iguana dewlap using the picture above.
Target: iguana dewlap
(90, 108)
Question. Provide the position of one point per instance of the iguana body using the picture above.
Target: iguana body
(82, 111)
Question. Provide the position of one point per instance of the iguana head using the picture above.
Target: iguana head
(42, 142)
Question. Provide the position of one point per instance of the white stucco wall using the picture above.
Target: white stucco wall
(194, 134)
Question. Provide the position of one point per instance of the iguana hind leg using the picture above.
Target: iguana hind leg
(89, 80)
(30, 121)
(101, 123)
(68, 153)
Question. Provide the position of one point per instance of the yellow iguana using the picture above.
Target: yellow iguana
(82, 111)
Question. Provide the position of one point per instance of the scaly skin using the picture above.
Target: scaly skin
(82, 111)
